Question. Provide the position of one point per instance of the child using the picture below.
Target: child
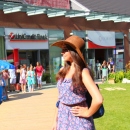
(32, 78)
(28, 76)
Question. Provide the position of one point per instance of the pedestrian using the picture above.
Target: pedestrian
(32, 78)
(23, 78)
(104, 67)
(6, 77)
(12, 75)
(18, 87)
(39, 72)
(112, 66)
(98, 70)
(73, 81)
(28, 78)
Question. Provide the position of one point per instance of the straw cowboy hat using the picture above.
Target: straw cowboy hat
(75, 42)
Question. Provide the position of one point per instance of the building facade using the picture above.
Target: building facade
(33, 34)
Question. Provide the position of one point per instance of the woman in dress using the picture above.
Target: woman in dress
(23, 78)
(32, 78)
(18, 87)
(73, 80)
(104, 68)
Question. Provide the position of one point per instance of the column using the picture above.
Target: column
(16, 56)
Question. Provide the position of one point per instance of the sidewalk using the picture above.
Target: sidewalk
(29, 111)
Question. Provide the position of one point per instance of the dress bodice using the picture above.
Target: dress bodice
(69, 94)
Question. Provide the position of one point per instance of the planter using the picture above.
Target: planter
(111, 81)
(125, 80)
(44, 82)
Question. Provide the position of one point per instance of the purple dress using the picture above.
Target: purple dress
(70, 96)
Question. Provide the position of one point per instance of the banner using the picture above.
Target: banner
(101, 39)
(26, 39)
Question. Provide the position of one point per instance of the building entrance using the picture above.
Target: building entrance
(100, 54)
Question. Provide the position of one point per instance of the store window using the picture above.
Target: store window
(55, 57)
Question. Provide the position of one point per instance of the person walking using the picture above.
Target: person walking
(98, 70)
(39, 72)
(73, 81)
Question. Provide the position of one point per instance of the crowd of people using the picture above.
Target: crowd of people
(24, 78)
(102, 70)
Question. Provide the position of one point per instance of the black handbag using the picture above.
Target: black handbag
(100, 112)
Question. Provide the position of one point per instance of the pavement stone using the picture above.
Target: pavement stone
(29, 111)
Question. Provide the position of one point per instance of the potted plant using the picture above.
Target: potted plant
(111, 78)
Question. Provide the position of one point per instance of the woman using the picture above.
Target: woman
(104, 68)
(23, 78)
(74, 79)
(18, 87)
(6, 77)
(39, 71)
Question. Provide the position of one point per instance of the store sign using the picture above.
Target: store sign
(26, 38)
(101, 39)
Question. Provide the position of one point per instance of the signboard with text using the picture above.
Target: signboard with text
(101, 39)
(26, 39)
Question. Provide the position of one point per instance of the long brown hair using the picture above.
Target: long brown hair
(79, 66)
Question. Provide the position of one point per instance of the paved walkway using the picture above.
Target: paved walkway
(29, 111)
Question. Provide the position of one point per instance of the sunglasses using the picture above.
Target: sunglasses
(64, 50)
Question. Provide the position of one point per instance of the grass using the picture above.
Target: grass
(117, 108)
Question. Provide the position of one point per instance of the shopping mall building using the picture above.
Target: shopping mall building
(29, 27)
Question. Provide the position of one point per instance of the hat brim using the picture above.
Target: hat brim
(61, 44)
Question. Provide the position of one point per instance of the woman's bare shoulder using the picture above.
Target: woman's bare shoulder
(61, 68)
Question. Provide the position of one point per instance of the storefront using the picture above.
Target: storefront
(100, 45)
(27, 46)
(24, 29)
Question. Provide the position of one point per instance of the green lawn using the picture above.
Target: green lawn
(117, 107)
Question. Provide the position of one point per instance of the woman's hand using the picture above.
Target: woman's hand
(80, 111)
(54, 127)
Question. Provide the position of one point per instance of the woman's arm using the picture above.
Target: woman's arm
(54, 126)
(97, 99)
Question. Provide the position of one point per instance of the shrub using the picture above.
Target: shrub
(127, 74)
(111, 76)
(119, 75)
(46, 77)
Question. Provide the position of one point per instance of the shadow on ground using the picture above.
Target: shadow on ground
(22, 95)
